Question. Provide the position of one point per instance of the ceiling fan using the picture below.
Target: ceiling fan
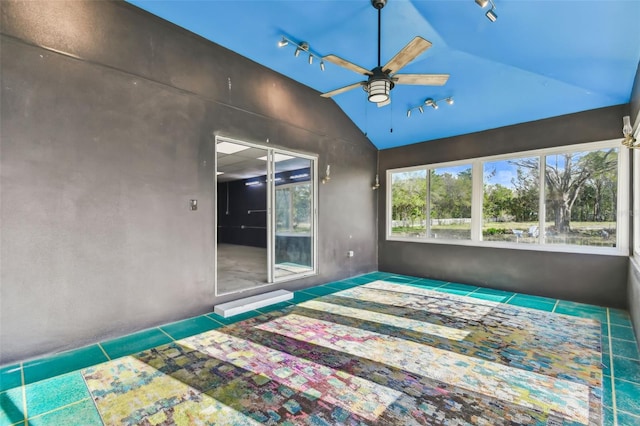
(383, 78)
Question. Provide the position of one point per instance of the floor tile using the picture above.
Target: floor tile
(606, 364)
(621, 332)
(607, 389)
(619, 317)
(625, 348)
(342, 285)
(569, 304)
(608, 417)
(452, 291)
(320, 291)
(626, 369)
(189, 327)
(399, 279)
(627, 419)
(136, 342)
(299, 297)
(54, 393)
(62, 363)
(532, 303)
(582, 313)
(362, 279)
(462, 287)
(10, 377)
(627, 396)
(427, 283)
(11, 406)
(81, 413)
(491, 297)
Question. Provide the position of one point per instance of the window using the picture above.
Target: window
(581, 193)
(432, 203)
(293, 208)
(636, 199)
(450, 202)
(562, 199)
(511, 200)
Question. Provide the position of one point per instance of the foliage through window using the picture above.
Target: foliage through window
(575, 202)
(511, 198)
(293, 208)
(436, 204)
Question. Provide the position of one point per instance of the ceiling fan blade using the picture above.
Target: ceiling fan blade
(421, 79)
(341, 90)
(384, 103)
(408, 53)
(346, 64)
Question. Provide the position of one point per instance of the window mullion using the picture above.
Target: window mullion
(542, 207)
(428, 206)
(476, 200)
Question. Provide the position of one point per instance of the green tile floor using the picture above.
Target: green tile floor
(51, 391)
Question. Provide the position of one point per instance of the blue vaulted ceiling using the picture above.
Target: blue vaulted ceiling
(539, 59)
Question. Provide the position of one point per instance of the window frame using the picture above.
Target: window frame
(477, 164)
(636, 194)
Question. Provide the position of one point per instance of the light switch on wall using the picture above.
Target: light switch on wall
(193, 204)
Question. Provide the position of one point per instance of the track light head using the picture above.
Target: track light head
(421, 109)
(482, 3)
(408, 113)
(310, 59)
(321, 64)
(283, 42)
(491, 15)
(297, 52)
(449, 101)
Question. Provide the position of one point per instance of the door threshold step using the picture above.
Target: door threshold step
(247, 304)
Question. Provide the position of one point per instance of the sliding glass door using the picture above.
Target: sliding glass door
(270, 193)
(293, 218)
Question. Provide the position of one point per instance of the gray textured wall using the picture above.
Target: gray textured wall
(585, 278)
(108, 117)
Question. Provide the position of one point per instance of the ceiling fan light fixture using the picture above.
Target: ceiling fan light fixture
(378, 90)
(482, 3)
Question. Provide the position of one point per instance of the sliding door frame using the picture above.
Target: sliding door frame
(271, 226)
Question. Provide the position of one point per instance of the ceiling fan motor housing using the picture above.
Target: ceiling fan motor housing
(378, 4)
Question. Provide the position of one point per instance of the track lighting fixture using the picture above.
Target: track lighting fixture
(301, 47)
(491, 13)
(430, 102)
(627, 131)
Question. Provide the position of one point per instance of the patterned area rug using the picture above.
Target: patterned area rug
(381, 353)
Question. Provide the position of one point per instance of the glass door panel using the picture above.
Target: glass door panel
(293, 216)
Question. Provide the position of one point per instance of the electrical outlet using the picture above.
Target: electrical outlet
(350, 253)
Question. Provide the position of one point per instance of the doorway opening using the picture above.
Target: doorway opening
(266, 215)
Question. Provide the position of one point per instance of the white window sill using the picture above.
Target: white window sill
(555, 248)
